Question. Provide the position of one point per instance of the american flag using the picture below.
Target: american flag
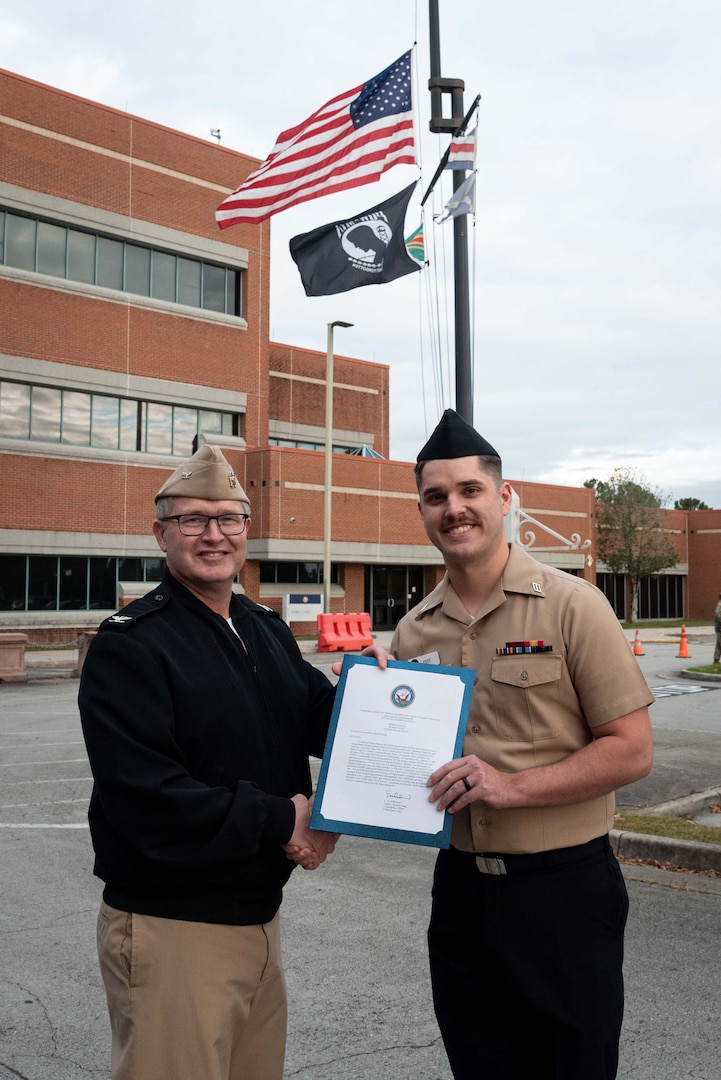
(349, 141)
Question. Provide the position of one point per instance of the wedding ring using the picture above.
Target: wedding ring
(465, 781)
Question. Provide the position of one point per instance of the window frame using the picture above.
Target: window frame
(104, 247)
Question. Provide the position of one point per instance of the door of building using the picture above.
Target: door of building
(390, 592)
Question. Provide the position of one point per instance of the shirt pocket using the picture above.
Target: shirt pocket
(527, 696)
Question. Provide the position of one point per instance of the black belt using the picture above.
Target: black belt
(490, 862)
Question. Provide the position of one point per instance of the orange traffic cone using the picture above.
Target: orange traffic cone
(683, 646)
(637, 646)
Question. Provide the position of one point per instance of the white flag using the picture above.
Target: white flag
(461, 202)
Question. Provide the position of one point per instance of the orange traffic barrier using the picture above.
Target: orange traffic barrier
(637, 646)
(683, 646)
(344, 632)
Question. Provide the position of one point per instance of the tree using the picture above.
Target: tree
(690, 504)
(631, 539)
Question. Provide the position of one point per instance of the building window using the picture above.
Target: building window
(659, 597)
(48, 414)
(613, 587)
(295, 573)
(44, 247)
(69, 582)
(301, 444)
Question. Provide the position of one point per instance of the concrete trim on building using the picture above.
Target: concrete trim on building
(373, 492)
(268, 590)
(284, 429)
(119, 384)
(681, 568)
(117, 155)
(137, 458)
(563, 560)
(105, 545)
(343, 552)
(67, 212)
(292, 377)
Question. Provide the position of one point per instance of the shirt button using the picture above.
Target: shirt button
(473, 636)
(475, 728)
(524, 676)
(482, 822)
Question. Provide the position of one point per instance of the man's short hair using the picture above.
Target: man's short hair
(490, 463)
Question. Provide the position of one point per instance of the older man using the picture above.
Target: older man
(199, 714)
(529, 906)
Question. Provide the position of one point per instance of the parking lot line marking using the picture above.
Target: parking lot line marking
(58, 761)
(57, 780)
(45, 731)
(35, 746)
(22, 825)
(45, 802)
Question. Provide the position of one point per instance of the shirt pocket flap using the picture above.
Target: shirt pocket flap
(526, 671)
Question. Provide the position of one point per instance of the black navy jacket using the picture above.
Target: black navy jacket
(197, 739)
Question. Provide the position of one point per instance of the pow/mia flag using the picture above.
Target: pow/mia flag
(365, 250)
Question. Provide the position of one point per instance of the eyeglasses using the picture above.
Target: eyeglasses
(196, 524)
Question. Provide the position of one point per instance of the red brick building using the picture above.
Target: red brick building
(131, 326)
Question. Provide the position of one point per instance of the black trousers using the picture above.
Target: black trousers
(526, 967)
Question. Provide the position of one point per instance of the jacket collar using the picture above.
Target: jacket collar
(186, 597)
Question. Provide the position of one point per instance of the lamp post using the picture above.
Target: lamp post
(328, 463)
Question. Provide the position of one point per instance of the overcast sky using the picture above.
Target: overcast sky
(596, 251)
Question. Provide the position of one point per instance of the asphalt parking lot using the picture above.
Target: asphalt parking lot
(354, 931)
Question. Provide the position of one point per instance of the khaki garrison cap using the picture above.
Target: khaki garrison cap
(206, 475)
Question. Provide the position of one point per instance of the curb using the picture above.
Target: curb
(688, 805)
(686, 854)
(700, 676)
(683, 854)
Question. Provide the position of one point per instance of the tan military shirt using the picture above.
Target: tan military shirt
(535, 708)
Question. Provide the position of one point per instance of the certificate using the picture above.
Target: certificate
(391, 729)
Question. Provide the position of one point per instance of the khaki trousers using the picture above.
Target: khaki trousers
(192, 1001)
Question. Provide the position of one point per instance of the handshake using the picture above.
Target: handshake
(308, 847)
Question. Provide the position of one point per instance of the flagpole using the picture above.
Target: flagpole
(328, 492)
(439, 86)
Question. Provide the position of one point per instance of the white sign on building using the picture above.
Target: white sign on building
(302, 607)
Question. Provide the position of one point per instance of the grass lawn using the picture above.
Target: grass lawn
(666, 624)
(679, 828)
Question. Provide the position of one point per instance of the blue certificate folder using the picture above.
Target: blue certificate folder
(380, 795)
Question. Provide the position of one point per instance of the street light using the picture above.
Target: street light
(328, 463)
